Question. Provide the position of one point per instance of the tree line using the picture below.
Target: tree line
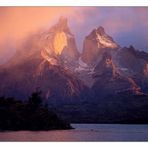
(32, 114)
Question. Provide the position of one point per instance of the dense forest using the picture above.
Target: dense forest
(32, 114)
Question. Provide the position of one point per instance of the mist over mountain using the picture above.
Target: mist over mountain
(80, 86)
(42, 63)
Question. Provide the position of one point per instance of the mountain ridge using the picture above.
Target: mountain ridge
(78, 85)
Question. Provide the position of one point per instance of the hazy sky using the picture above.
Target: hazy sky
(127, 25)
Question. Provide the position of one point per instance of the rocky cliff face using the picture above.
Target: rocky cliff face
(42, 62)
(59, 44)
(109, 68)
(95, 44)
(103, 64)
(111, 79)
(104, 77)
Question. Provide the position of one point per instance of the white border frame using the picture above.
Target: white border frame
(73, 2)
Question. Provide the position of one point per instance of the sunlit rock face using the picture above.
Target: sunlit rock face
(41, 62)
(96, 43)
(59, 44)
(104, 40)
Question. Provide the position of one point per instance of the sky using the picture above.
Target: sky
(127, 25)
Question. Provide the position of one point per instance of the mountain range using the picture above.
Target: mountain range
(105, 83)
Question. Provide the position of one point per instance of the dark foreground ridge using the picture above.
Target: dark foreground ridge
(29, 115)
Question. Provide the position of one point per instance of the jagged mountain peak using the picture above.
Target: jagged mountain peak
(61, 26)
(97, 42)
(63, 20)
(59, 43)
(100, 30)
(103, 40)
(44, 65)
(55, 45)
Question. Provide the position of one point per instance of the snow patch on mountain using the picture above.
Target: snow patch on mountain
(84, 67)
(105, 42)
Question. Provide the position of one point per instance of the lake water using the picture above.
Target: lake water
(83, 132)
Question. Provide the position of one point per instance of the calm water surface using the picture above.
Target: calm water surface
(83, 132)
